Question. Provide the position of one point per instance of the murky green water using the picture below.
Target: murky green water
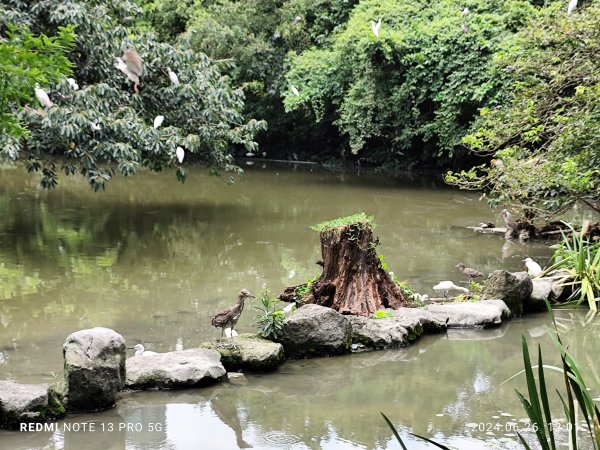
(154, 260)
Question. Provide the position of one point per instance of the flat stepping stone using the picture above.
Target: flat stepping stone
(27, 403)
(179, 369)
(248, 352)
(481, 314)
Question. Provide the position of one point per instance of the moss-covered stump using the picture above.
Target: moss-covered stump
(248, 352)
(354, 280)
(24, 403)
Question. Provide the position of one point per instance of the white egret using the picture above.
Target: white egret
(533, 268)
(375, 27)
(140, 351)
(572, 6)
(464, 28)
(179, 344)
(446, 286)
(180, 153)
(95, 126)
(73, 84)
(132, 65)
(295, 90)
(173, 77)
(42, 96)
(249, 155)
(465, 12)
(289, 308)
(158, 120)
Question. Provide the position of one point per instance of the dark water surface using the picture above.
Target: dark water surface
(154, 259)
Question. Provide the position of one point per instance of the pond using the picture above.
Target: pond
(154, 259)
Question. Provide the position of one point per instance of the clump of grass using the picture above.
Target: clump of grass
(382, 315)
(358, 218)
(303, 290)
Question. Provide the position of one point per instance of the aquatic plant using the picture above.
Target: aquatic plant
(580, 259)
(270, 319)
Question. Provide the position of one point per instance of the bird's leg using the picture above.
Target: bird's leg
(135, 88)
(222, 333)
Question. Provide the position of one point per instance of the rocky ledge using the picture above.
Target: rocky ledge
(22, 403)
(248, 352)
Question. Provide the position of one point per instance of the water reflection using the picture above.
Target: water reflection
(153, 260)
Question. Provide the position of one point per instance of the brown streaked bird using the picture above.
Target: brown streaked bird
(132, 65)
(228, 317)
(508, 220)
(471, 273)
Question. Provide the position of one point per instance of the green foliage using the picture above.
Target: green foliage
(270, 319)
(359, 218)
(26, 59)
(203, 114)
(474, 286)
(382, 315)
(545, 136)
(409, 94)
(304, 290)
(581, 261)
(578, 396)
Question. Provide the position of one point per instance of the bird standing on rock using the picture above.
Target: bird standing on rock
(533, 268)
(446, 286)
(228, 317)
(140, 351)
(471, 273)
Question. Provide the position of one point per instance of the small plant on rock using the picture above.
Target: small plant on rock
(382, 315)
(269, 319)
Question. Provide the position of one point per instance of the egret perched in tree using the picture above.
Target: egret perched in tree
(375, 27)
(95, 126)
(42, 96)
(464, 28)
(158, 120)
(132, 65)
(533, 268)
(295, 91)
(73, 84)
(465, 12)
(180, 153)
(140, 351)
(173, 77)
(572, 6)
(228, 317)
(446, 286)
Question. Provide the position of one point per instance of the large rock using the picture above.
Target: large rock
(314, 330)
(481, 314)
(20, 403)
(248, 352)
(542, 290)
(512, 288)
(183, 368)
(94, 368)
(378, 333)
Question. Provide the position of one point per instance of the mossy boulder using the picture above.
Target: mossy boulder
(20, 403)
(314, 330)
(248, 352)
(514, 289)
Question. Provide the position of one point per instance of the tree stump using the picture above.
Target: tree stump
(353, 279)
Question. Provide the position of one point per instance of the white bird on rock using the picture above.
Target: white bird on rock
(73, 84)
(375, 27)
(446, 286)
(158, 120)
(180, 153)
(572, 6)
(140, 351)
(42, 96)
(173, 77)
(289, 308)
(533, 268)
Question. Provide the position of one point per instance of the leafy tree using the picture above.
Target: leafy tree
(545, 138)
(25, 60)
(104, 125)
(409, 94)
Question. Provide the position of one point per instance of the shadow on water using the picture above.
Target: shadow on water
(154, 260)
